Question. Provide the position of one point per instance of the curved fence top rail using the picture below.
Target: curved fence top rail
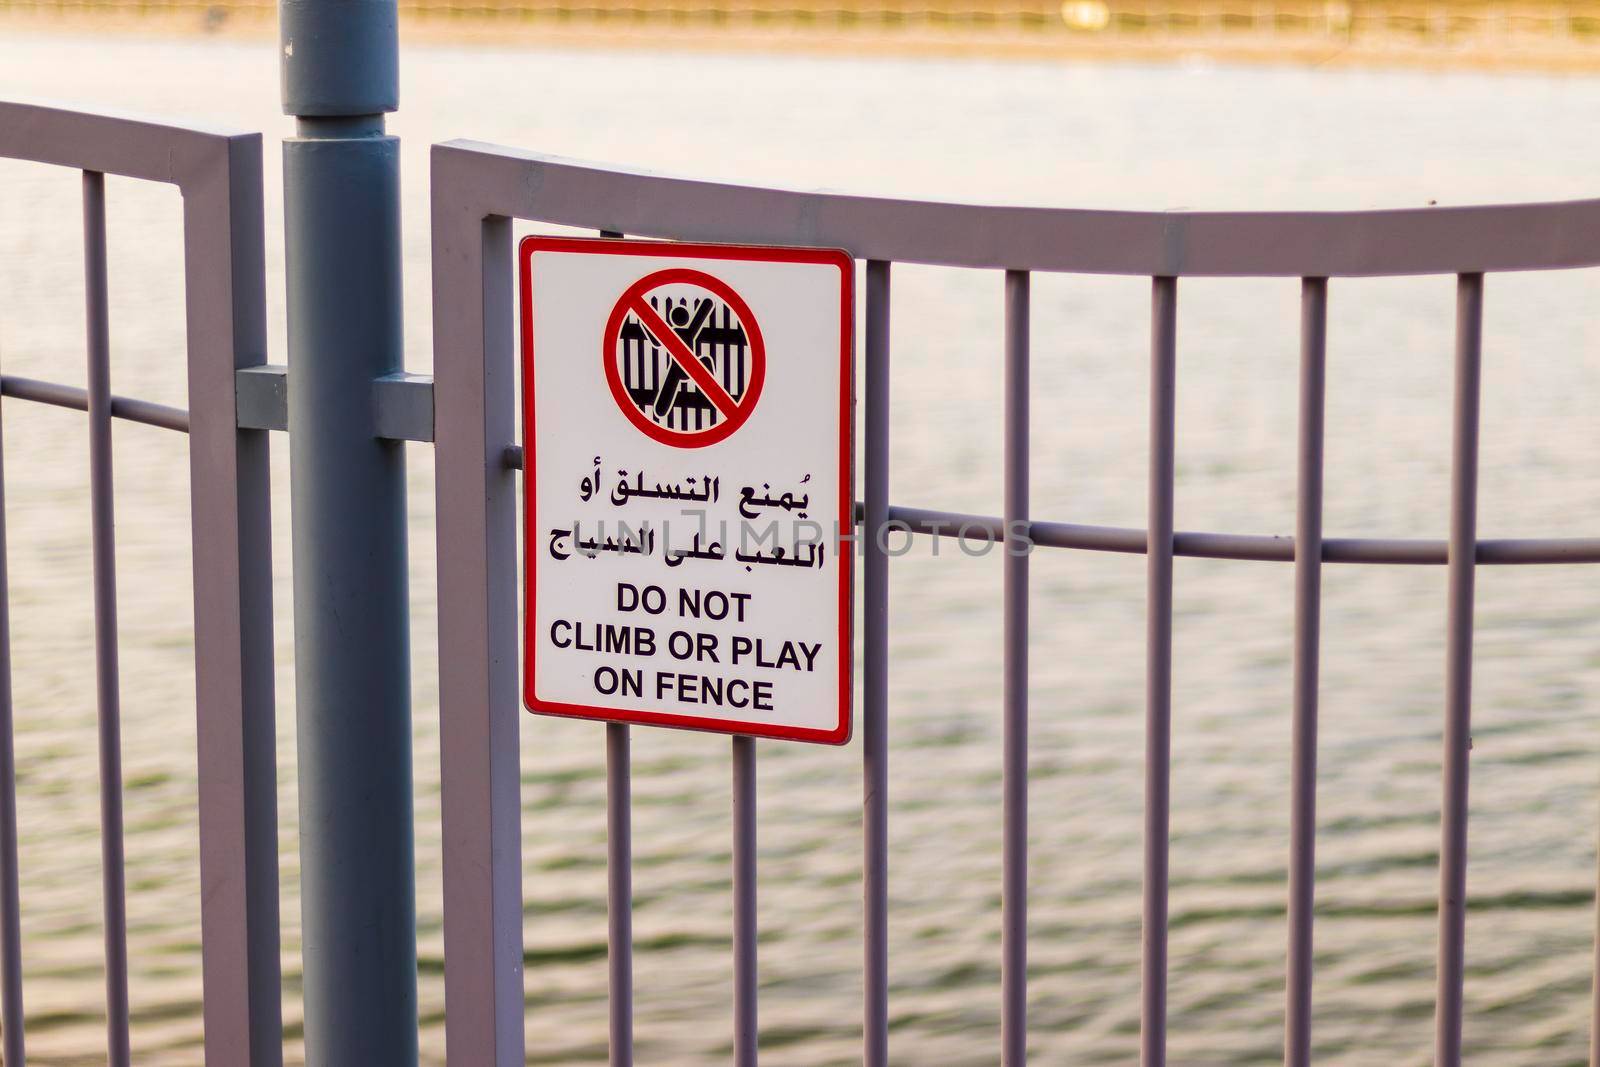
(1436, 240)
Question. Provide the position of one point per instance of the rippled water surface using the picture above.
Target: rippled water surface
(1069, 135)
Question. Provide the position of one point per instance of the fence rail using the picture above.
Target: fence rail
(70, 396)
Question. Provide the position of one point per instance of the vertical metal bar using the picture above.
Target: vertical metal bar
(619, 878)
(875, 673)
(1307, 638)
(1594, 1011)
(1014, 859)
(231, 526)
(619, 892)
(352, 634)
(11, 1020)
(1158, 668)
(746, 1035)
(479, 709)
(105, 619)
(1458, 669)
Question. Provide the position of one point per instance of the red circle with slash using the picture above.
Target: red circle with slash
(683, 366)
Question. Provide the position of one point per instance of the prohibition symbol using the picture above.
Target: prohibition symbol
(684, 357)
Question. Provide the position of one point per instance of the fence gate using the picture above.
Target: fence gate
(478, 189)
(219, 177)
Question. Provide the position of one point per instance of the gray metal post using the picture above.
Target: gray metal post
(352, 659)
(1014, 788)
(875, 675)
(746, 1031)
(108, 687)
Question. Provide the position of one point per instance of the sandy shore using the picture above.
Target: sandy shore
(1535, 54)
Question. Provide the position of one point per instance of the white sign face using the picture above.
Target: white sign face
(688, 506)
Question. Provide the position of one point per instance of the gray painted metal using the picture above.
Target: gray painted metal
(1158, 667)
(122, 407)
(1458, 671)
(261, 397)
(619, 875)
(475, 194)
(347, 484)
(875, 672)
(340, 57)
(1507, 551)
(619, 892)
(746, 1032)
(1268, 549)
(478, 188)
(1014, 697)
(107, 685)
(404, 404)
(1432, 240)
(479, 706)
(224, 278)
(1307, 650)
(12, 1044)
(219, 175)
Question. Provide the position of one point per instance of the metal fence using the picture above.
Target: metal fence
(219, 177)
(478, 189)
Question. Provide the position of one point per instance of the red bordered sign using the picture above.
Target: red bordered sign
(664, 380)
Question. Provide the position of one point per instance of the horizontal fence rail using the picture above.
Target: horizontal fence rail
(1265, 548)
(70, 396)
(219, 176)
(1320, 244)
(478, 189)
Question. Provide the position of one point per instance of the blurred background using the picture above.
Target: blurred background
(1544, 34)
(1095, 103)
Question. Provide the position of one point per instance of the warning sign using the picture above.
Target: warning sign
(688, 527)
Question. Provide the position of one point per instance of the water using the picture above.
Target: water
(1113, 136)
